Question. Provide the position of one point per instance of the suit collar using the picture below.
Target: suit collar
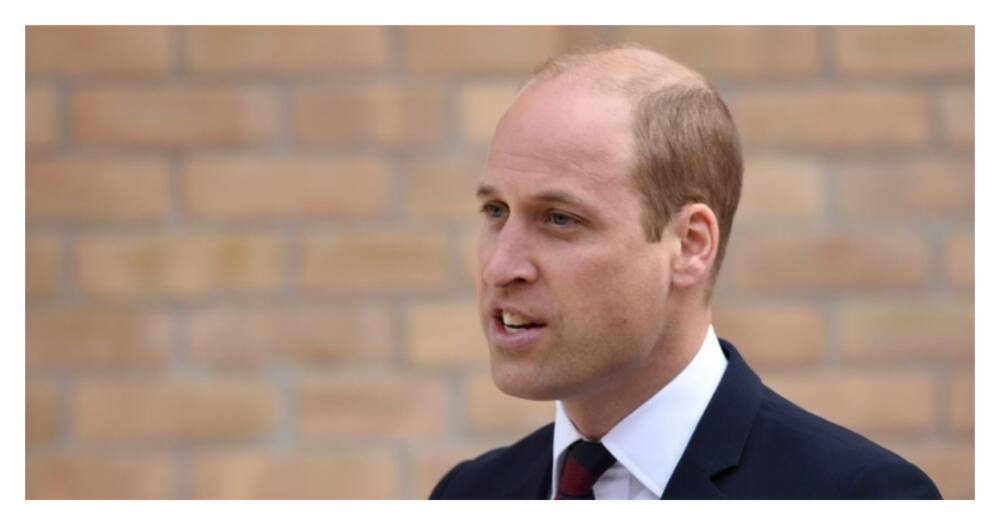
(718, 440)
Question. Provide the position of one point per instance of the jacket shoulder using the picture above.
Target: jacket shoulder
(502, 472)
(804, 455)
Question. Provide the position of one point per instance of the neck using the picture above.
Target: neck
(597, 411)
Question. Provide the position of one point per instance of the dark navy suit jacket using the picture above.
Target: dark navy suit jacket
(750, 443)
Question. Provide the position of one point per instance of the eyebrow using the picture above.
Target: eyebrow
(554, 196)
(485, 190)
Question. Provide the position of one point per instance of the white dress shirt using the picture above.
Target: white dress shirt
(649, 442)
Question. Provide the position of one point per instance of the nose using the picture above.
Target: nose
(506, 257)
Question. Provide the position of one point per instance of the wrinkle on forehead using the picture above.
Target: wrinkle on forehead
(551, 162)
(561, 126)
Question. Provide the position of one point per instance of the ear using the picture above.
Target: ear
(697, 229)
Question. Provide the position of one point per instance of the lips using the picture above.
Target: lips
(516, 318)
(514, 329)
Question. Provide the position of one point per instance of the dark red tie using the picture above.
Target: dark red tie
(585, 462)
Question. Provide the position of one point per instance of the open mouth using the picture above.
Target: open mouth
(513, 323)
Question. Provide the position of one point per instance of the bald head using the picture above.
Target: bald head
(622, 68)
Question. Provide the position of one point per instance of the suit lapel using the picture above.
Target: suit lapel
(718, 440)
(690, 482)
(537, 477)
(538, 481)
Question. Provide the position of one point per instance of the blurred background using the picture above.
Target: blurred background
(250, 249)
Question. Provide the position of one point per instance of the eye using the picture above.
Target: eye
(493, 210)
(562, 219)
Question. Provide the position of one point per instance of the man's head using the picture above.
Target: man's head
(687, 146)
(608, 196)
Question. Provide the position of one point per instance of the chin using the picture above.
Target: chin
(525, 384)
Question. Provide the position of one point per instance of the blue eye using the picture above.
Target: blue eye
(561, 219)
(493, 210)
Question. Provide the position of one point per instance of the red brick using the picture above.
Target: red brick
(178, 265)
(959, 112)
(906, 331)
(479, 49)
(41, 116)
(97, 190)
(490, 411)
(916, 189)
(389, 114)
(88, 337)
(40, 413)
(832, 118)
(285, 50)
(302, 335)
(302, 475)
(446, 334)
(773, 335)
(781, 188)
(89, 475)
(746, 51)
(285, 188)
(959, 259)
(924, 50)
(962, 401)
(825, 261)
(41, 265)
(950, 464)
(371, 406)
(480, 108)
(862, 401)
(378, 260)
(173, 410)
(443, 189)
(173, 116)
(97, 50)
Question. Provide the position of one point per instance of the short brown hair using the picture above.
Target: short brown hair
(687, 146)
(687, 150)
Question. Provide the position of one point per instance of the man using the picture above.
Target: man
(608, 197)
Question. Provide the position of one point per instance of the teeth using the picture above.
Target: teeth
(510, 319)
(512, 330)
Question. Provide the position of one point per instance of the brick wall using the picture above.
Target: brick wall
(249, 250)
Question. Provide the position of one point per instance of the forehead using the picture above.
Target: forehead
(563, 134)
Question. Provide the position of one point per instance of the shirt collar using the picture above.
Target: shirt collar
(650, 441)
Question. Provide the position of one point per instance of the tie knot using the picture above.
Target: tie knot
(585, 462)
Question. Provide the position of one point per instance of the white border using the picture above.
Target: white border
(523, 12)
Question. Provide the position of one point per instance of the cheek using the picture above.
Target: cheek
(619, 296)
(611, 293)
